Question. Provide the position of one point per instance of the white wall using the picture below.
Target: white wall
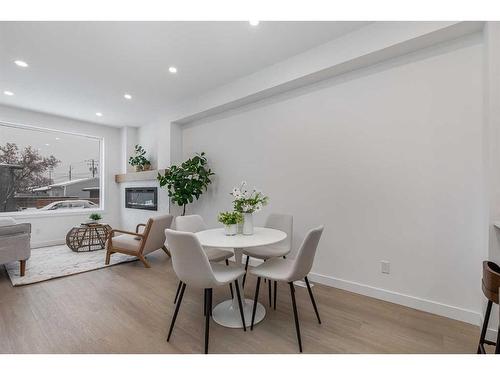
(129, 138)
(52, 229)
(148, 137)
(492, 148)
(389, 158)
(376, 42)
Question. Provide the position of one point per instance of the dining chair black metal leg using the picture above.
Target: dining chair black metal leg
(204, 302)
(178, 290)
(480, 346)
(208, 304)
(240, 305)
(174, 317)
(296, 315)
(245, 275)
(275, 293)
(255, 302)
(230, 285)
(312, 299)
(210, 307)
(270, 294)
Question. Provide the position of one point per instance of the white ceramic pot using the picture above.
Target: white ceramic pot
(231, 229)
(247, 224)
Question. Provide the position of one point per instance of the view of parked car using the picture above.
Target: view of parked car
(70, 204)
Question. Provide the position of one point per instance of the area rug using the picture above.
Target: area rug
(52, 262)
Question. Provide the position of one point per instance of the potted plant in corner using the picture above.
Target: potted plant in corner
(247, 203)
(186, 182)
(230, 221)
(138, 160)
(94, 218)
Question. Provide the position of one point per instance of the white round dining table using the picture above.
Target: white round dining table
(227, 313)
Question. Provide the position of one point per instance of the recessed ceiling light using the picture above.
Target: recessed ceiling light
(98, 114)
(58, 139)
(254, 23)
(21, 63)
(127, 96)
(172, 69)
(8, 93)
(47, 144)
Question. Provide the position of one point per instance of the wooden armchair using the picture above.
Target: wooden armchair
(138, 244)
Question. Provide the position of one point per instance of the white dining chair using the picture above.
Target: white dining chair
(192, 267)
(193, 224)
(281, 222)
(290, 270)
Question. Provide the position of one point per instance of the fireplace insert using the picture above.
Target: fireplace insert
(142, 198)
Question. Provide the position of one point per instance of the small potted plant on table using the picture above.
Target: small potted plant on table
(94, 218)
(230, 221)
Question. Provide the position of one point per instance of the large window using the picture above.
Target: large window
(48, 171)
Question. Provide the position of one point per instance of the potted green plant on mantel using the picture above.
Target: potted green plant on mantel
(186, 182)
(138, 160)
(230, 221)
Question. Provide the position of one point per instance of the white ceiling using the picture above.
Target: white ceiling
(79, 68)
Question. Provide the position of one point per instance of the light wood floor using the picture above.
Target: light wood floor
(127, 309)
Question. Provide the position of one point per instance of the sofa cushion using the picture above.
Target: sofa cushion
(7, 221)
(9, 230)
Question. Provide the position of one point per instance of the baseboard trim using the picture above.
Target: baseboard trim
(433, 307)
(38, 244)
(417, 303)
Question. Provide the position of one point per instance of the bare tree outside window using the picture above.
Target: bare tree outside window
(47, 171)
(28, 171)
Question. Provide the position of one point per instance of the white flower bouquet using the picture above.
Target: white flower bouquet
(248, 202)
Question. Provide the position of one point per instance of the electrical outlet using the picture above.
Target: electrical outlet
(385, 266)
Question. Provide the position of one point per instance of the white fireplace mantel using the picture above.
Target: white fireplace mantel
(138, 176)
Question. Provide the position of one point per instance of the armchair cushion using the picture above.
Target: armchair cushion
(127, 242)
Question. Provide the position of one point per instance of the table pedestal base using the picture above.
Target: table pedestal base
(227, 313)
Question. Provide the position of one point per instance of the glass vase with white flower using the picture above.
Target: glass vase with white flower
(247, 203)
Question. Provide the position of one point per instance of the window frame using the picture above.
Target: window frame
(75, 212)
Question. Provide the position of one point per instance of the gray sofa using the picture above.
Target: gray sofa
(15, 242)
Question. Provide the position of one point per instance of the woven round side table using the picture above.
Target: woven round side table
(88, 237)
